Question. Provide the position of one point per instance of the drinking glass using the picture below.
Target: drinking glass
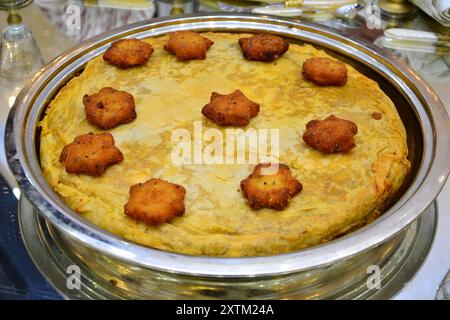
(20, 56)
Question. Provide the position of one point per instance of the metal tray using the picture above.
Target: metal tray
(53, 260)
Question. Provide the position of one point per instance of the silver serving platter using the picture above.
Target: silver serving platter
(424, 116)
(399, 262)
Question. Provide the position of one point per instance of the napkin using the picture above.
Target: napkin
(438, 9)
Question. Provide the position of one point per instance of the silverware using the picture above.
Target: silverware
(416, 40)
(274, 9)
(349, 11)
(418, 36)
(290, 9)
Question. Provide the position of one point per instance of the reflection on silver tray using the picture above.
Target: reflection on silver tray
(53, 257)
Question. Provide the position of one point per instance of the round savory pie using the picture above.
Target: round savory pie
(340, 190)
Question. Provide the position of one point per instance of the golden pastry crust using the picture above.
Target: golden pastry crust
(109, 108)
(90, 154)
(127, 53)
(340, 192)
(263, 47)
(233, 109)
(188, 45)
(271, 189)
(331, 135)
(325, 71)
(155, 201)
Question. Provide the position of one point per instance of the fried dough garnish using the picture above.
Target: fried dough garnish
(109, 108)
(90, 154)
(127, 53)
(325, 71)
(188, 45)
(233, 109)
(271, 189)
(331, 135)
(263, 47)
(155, 201)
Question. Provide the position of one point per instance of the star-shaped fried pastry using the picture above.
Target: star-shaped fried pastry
(331, 135)
(325, 71)
(127, 53)
(188, 45)
(270, 186)
(155, 201)
(263, 47)
(109, 108)
(233, 109)
(90, 154)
